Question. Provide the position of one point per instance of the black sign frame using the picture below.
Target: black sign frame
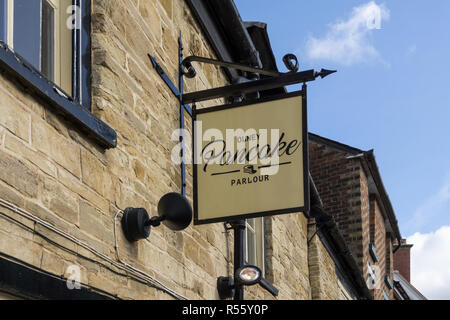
(305, 154)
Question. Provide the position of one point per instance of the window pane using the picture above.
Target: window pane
(251, 257)
(65, 47)
(85, 46)
(3, 20)
(48, 40)
(259, 235)
(27, 30)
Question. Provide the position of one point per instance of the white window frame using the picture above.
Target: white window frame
(258, 232)
(62, 74)
(10, 31)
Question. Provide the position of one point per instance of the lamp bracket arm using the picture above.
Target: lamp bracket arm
(155, 221)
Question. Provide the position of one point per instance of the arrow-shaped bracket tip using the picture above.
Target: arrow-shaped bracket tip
(324, 72)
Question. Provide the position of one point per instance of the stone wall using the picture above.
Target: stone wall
(325, 283)
(53, 171)
(287, 256)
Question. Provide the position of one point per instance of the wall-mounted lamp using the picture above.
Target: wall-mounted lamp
(248, 275)
(225, 287)
(174, 211)
(245, 276)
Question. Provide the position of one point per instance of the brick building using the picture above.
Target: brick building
(78, 147)
(352, 191)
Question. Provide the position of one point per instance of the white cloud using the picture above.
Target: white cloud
(412, 49)
(348, 42)
(430, 263)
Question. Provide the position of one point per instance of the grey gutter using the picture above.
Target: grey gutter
(229, 17)
(222, 25)
(260, 38)
(258, 34)
(201, 12)
(314, 193)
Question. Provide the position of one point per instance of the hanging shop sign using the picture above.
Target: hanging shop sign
(251, 159)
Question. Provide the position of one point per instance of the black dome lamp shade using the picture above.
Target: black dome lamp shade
(174, 211)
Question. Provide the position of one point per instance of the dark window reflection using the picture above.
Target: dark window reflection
(27, 30)
(47, 54)
(3, 20)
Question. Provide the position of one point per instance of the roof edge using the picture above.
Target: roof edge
(398, 274)
(335, 144)
(369, 158)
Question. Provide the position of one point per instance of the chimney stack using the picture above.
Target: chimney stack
(402, 260)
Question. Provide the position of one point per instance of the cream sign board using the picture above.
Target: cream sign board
(250, 160)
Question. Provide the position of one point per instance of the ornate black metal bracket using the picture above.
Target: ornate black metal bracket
(290, 60)
(177, 92)
(168, 82)
(257, 85)
(276, 79)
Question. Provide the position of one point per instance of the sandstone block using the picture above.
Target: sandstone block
(15, 173)
(56, 147)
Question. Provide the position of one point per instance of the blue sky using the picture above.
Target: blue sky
(390, 93)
